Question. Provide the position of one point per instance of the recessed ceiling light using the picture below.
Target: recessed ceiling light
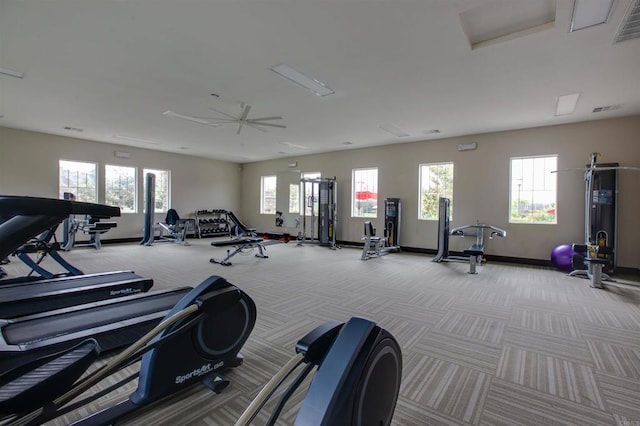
(11, 73)
(394, 130)
(317, 87)
(566, 104)
(73, 129)
(129, 138)
(587, 13)
(347, 143)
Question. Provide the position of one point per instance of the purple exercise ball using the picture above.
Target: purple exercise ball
(562, 257)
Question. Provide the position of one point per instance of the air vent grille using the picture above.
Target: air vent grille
(606, 108)
(630, 27)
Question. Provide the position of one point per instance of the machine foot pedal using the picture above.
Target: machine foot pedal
(216, 382)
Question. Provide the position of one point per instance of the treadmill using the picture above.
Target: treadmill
(113, 323)
(31, 298)
(24, 218)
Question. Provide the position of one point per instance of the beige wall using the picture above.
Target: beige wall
(29, 166)
(481, 185)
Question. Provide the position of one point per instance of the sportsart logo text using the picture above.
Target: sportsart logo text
(124, 291)
(195, 373)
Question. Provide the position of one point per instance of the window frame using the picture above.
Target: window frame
(263, 194)
(533, 190)
(74, 190)
(440, 193)
(354, 190)
(123, 208)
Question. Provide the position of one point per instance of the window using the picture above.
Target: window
(120, 187)
(533, 190)
(268, 194)
(364, 195)
(294, 198)
(163, 189)
(436, 180)
(80, 179)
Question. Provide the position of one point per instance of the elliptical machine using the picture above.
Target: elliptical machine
(197, 341)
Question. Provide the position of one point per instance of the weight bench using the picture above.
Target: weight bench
(240, 244)
(475, 253)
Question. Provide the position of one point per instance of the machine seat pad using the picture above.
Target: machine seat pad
(237, 242)
(475, 250)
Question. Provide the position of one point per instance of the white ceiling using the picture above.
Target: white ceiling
(112, 67)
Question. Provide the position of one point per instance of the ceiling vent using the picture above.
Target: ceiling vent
(630, 26)
(606, 108)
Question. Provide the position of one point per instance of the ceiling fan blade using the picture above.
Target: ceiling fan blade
(224, 113)
(213, 120)
(245, 112)
(189, 118)
(264, 118)
(240, 123)
(253, 126)
(282, 126)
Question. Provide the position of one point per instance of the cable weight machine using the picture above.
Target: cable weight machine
(319, 213)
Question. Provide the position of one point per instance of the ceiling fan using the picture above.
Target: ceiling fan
(242, 120)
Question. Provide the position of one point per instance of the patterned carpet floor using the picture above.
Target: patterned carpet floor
(512, 345)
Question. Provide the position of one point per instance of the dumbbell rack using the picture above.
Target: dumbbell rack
(211, 223)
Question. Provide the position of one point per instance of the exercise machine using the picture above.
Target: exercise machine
(172, 230)
(390, 242)
(244, 239)
(198, 339)
(596, 259)
(29, 228)
(113, 323)
(474, 253)
(90, 226)
(27, 298)
(319, 214)
(357, 382)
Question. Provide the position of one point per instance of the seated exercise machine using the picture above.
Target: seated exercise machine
(29, 228)
(199, 338)
(474, 254)
(390, 242)
(243, 239)
(90, 226)
(597, 256)
(93, 227)
(172, 230)
(359, 369)
(593, 258)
